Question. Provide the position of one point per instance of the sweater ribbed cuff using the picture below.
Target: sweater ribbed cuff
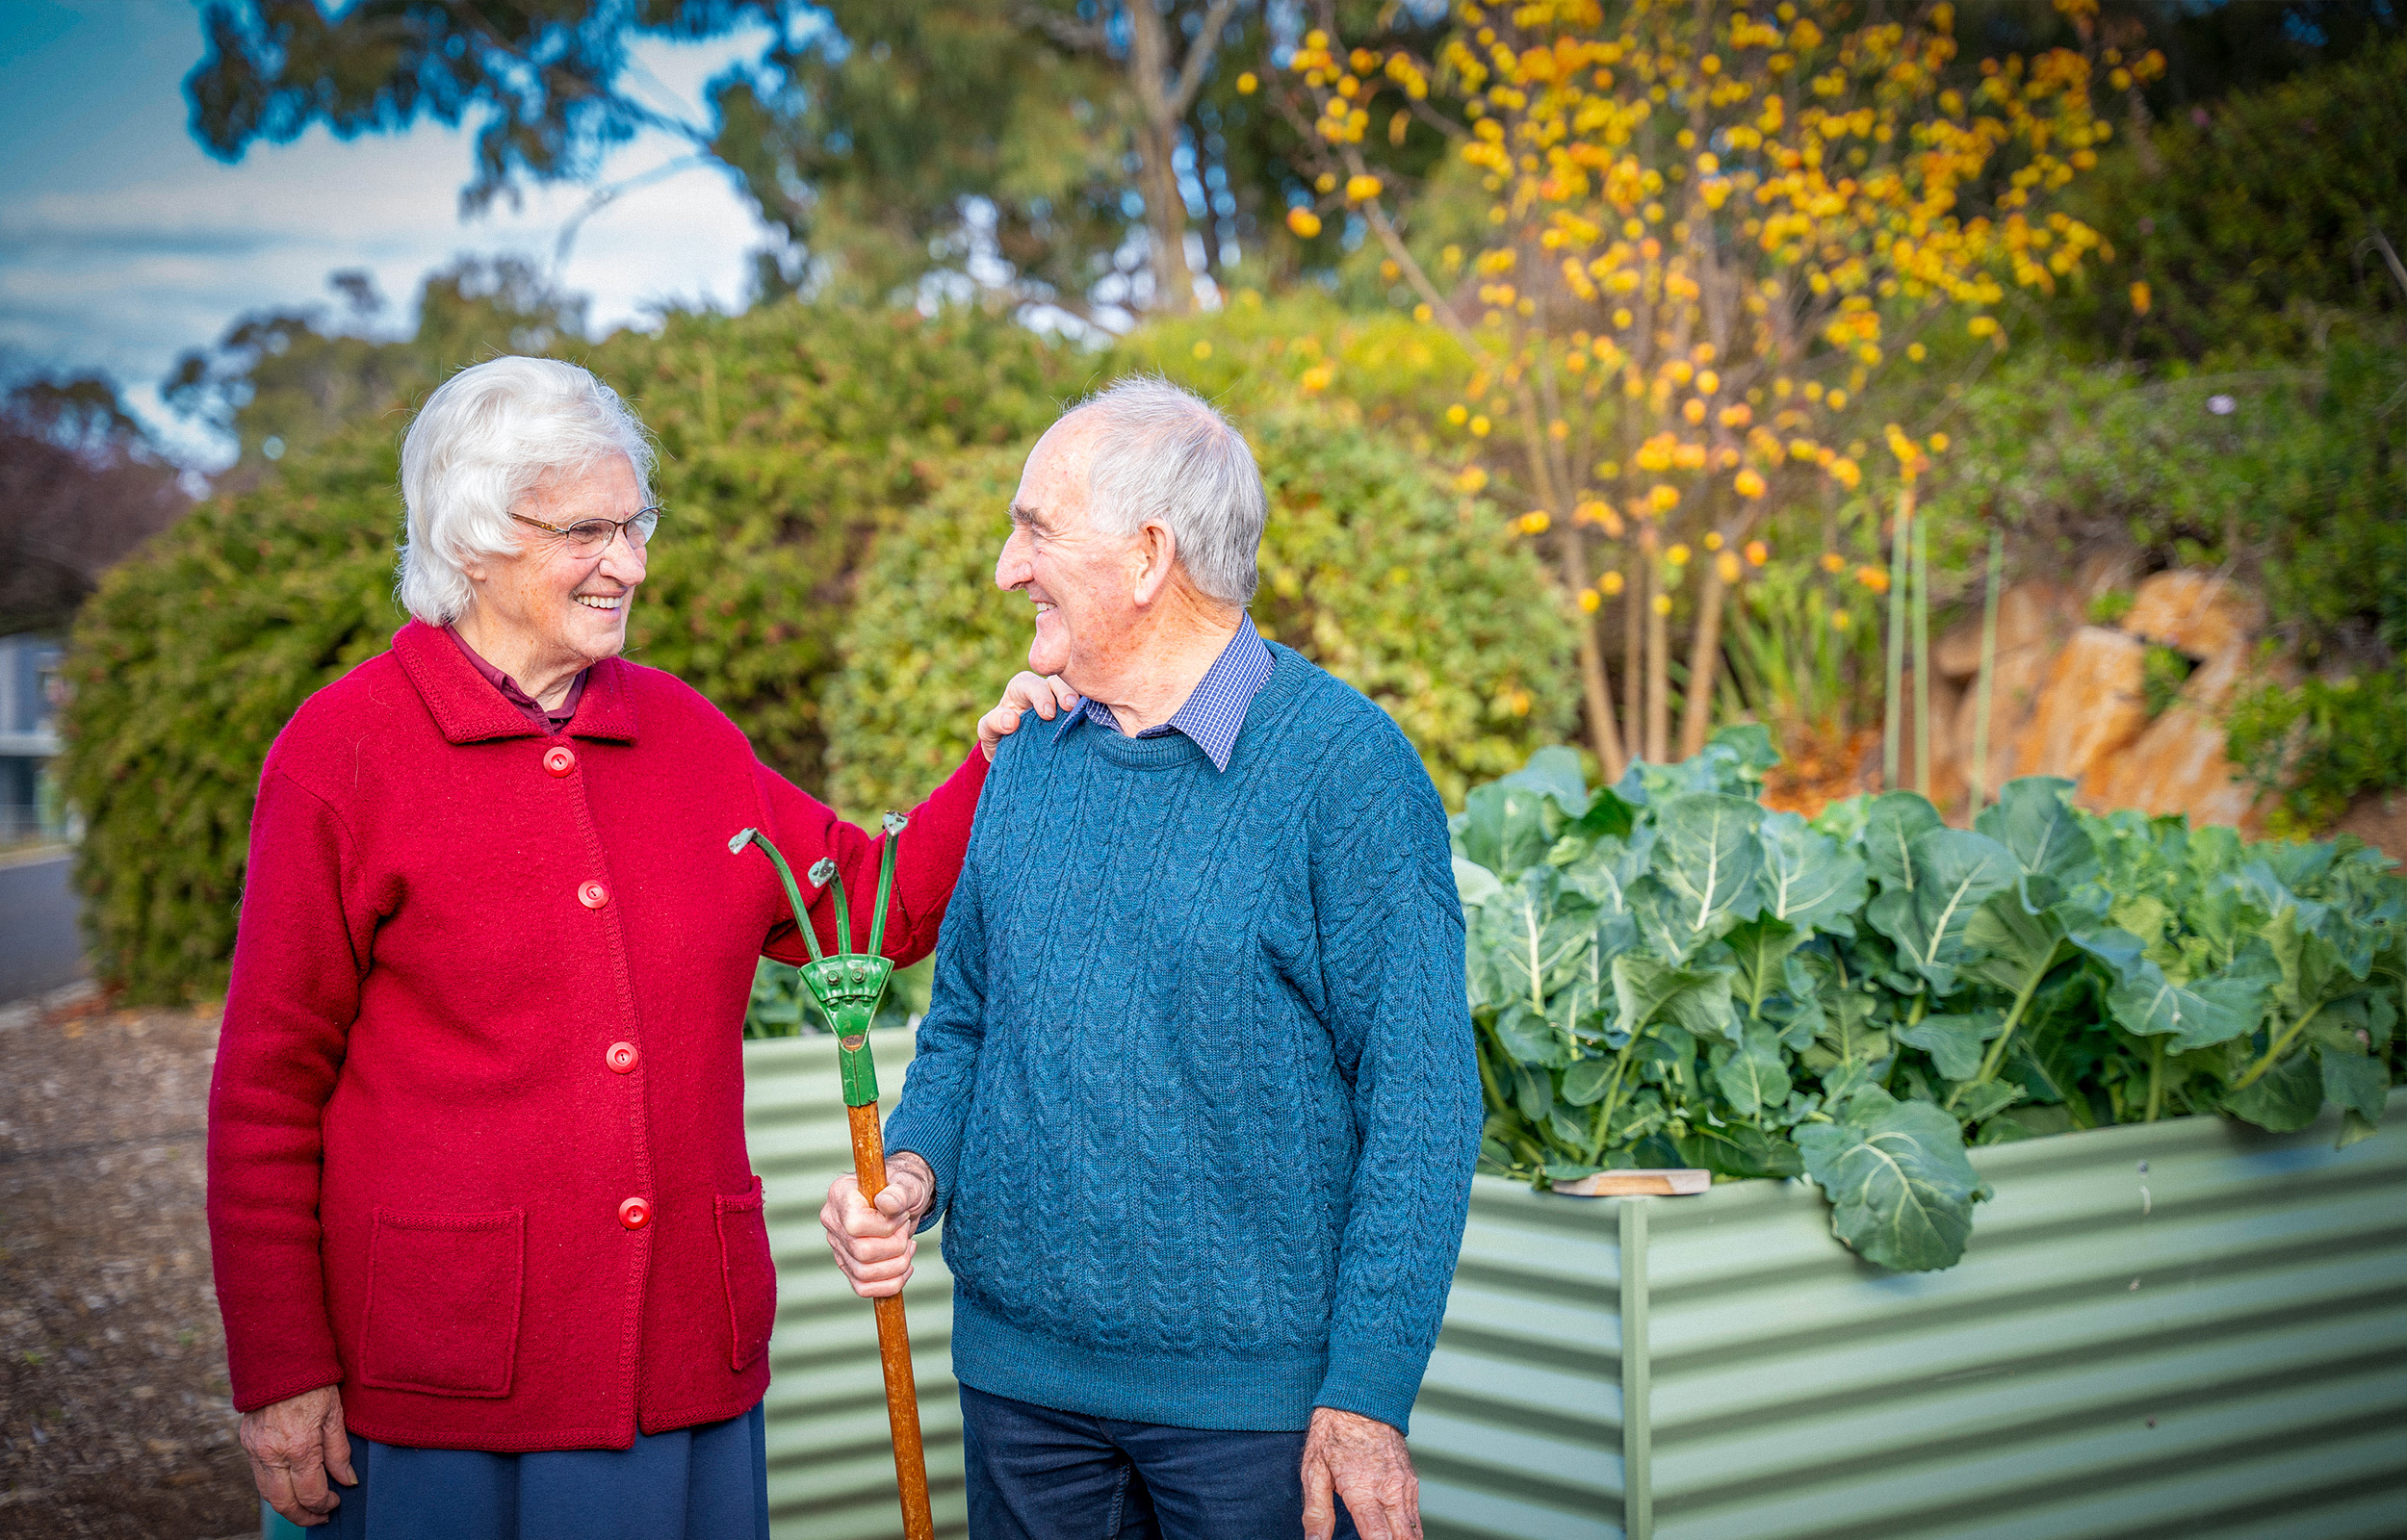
(940, 1146)
(1373, 1382)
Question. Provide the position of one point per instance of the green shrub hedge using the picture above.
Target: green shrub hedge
(1370, 567)
(788, 435)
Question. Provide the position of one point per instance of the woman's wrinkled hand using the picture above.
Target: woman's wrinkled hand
(294, 1445)
(874, 1243)
(1043, 694)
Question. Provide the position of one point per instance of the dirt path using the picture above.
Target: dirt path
(113, 1419)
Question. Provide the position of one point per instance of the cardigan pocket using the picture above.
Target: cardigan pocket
(750, 1275)
(444, 1292)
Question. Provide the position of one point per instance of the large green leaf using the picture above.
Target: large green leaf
(1532, 937)
(1695, 999)
(1707, 855)
(1954, 1042)
(1740, 1149)
(1530, 1038)
(1761, 948)
(2033, 819)
(1752, 1073)
(1892, 822)
(1954, 871)
(2285, 1099)
(1473, 883)
(2356, 1082)
(1503, 828)
(2197, 1015)
(1553, 772)
(1585, 1083)
(1901, 1190)
(2012, 946)
(1808, 880)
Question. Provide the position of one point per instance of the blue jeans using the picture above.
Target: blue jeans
(1036, 1473)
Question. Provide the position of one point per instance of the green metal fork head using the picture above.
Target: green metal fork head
(848, 984)
(848, 987)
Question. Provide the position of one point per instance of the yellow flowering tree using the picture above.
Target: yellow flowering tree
(1712, 222)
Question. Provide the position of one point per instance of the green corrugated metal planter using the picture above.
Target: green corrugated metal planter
(2180, 1330)
(2188, 1330)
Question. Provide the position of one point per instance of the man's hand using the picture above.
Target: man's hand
(873, 1243)
(1047, 696)
(293, 1445)
(1363, 1461)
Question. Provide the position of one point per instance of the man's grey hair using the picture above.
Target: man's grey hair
(1166, 456)
(482, 442)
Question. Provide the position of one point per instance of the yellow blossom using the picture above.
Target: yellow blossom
(1757, 553)
(1832, 561)
(1303, 223)
(1247, 84)
(1203, 348)
(1712, 540)
(1611, 584)
(1480, 426)
(1663, 603)
(1458, 414)
(1591, 601)
(1750, 484)
(2141, 299)
(1677, 555)
(1726, 567)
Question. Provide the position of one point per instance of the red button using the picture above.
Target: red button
(634, 1213)
(559, 759)
(593, 895)
(621, 1056)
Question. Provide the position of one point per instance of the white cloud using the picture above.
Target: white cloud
(124, 259)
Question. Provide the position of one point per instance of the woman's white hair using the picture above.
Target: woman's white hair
(482, 442)
(1165, 455)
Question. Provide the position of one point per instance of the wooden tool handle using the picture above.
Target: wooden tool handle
(893, 1348)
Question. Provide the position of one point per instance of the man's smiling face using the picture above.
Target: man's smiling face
(1080, 580)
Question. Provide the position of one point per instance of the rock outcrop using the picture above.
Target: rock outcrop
(2068, 699)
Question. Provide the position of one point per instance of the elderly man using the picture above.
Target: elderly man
(1196, 1098)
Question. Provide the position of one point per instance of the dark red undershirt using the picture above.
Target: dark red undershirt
(546, 723)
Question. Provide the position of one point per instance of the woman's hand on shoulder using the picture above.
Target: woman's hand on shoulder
(1045, 695)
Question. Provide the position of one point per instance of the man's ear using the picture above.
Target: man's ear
(1156, 560)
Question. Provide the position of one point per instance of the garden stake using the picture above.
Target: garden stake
(1893, 702)
(1988, 672)
(1922, 660)
(848, 987)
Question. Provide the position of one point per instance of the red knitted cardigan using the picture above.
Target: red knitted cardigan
(475, 1133)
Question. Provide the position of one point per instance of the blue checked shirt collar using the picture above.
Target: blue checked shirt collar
(1215, 712)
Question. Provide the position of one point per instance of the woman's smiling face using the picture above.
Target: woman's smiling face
(548, 606)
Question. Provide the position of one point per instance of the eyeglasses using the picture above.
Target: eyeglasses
(590, 537)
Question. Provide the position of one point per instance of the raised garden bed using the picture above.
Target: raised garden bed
(2177, 1329)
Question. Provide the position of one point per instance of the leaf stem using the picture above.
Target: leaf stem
(1995, 1058)
(2156, 1078)
(1604, 1123)
(2279, 1046)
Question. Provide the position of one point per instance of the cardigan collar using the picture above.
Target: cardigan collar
(469, 711)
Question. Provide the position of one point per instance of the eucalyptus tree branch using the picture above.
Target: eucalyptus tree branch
(1199, 55)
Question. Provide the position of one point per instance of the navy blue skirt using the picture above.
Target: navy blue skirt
(697, 1484)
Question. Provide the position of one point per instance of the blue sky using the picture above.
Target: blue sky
(122, 243)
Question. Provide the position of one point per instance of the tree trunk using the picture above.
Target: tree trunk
(1704, 656)
(1658, 655)
(1632, 651)
(1595, 687)
(1157, 147)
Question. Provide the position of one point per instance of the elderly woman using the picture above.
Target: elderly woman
(478, 1185)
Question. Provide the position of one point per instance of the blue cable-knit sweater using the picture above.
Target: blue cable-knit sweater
(1197, 1082)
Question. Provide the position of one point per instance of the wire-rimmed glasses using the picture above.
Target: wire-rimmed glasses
(590, 537)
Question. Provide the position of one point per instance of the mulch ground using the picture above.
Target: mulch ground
(113, 1417)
